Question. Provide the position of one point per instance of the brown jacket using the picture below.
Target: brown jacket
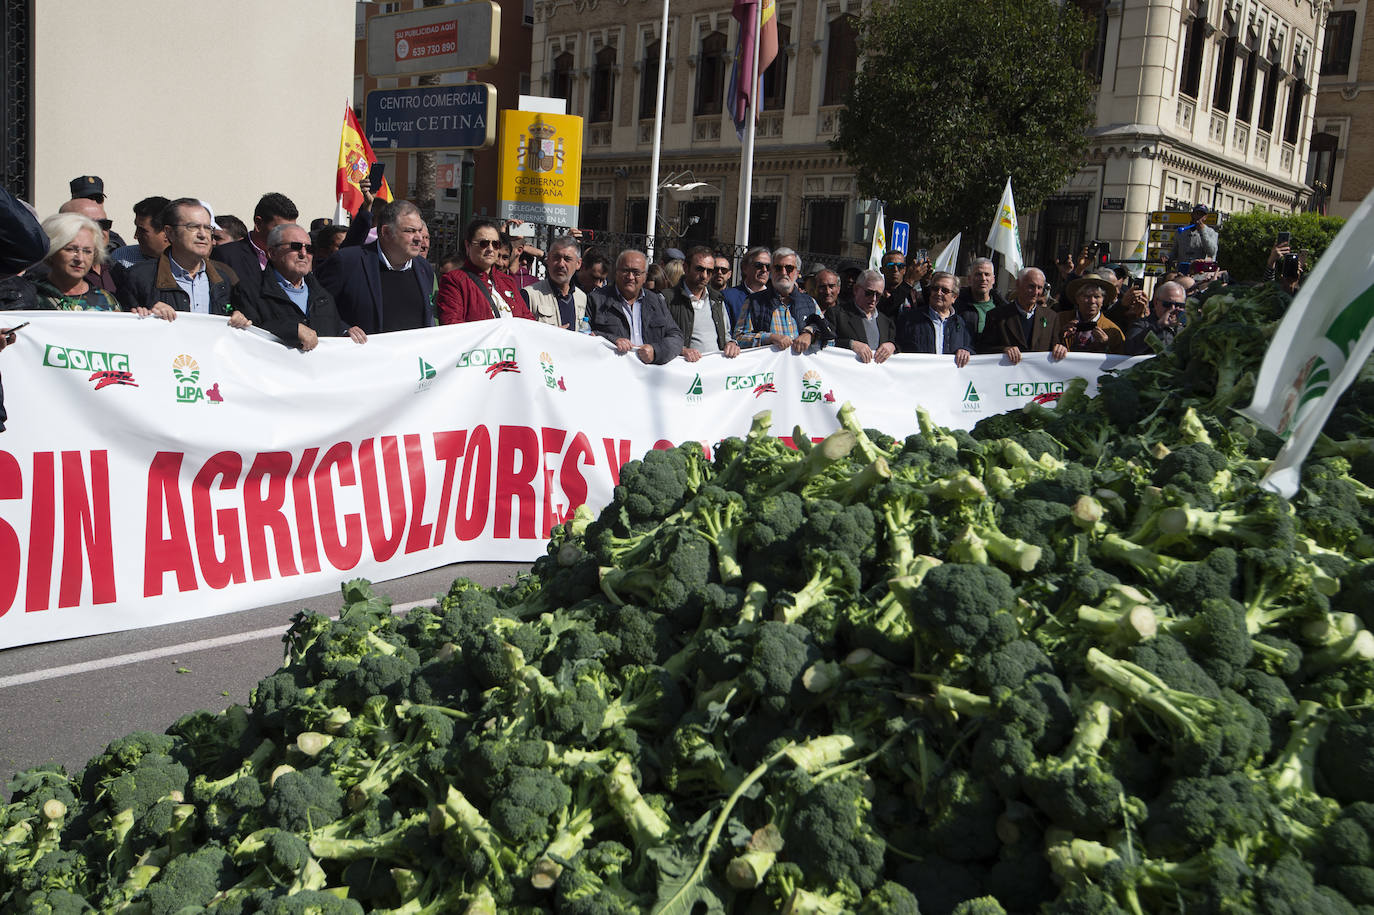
(1065, 332)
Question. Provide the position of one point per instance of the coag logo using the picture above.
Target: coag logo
(748, 382)
(760, 390)
(84, 360)
(487, 357)
(496, 368)
(551, 379)
(1036, 389)
(186, 371)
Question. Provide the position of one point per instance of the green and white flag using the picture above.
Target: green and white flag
(879, 246)
(1142, 248)
(1319, 348)
(1005, 235)
(948, 257)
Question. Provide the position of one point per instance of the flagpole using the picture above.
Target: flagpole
(746, 178)
(658, 136)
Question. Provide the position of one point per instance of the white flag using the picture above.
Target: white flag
(948, 257)
(1005, 235)
(1319, 348)
(1140, 253)
(879, 246)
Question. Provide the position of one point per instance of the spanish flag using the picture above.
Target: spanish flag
(355, 160)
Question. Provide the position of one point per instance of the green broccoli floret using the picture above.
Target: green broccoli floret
(885, 626)
(1345, 759)
(889, 899)
(982, 905)
(830, 835)
(302, 800)
(141, 786)
(1035, 521)
(591, 883)
(834, 582)
(1191, 814)
(657, 485)
(779, 654)
(1217, 635)
(666, 583)
(527, 804)
(1167, 658)
(1010, 665)
(1209, 735)
(964, 608)
(190, 880)
(719, 516)
(1177, 579)
(311, 902)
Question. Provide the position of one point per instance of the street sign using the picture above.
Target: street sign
(1114, 203)
(539, 175)
(1179, 218)
(459, 36)
(1154, 269)
(901, 234)
(1162, 236)
(431, 118)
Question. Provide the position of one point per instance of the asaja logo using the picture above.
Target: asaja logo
(750, 382)
(972, 402)
(487, 357)
(551, 381)
(427, 373)
(186, 371)
(694, 390)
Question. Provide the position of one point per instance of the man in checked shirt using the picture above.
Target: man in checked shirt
(781, 314)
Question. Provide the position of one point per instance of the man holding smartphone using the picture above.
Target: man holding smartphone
(1196, 241)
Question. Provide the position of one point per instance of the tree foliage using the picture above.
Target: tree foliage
(955, 96)
(1244, 240)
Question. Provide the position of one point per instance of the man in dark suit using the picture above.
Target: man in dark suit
(699, 310)
(1025, 324)
(935, 327)
(635, 319)
(860, 325)
(384, 285)
(291, 303)
(247, 257)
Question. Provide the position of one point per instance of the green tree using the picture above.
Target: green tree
(1245, 239)
(954, 96)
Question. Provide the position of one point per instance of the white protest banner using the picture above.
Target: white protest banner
(155, 471)
(1320, 346)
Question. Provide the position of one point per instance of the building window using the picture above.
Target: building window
(1292, 123)
(1337, 45)
(1226, 75)
(636, 216)
(842, 59)
(594, 215)
(560, 80)
(1190, 70)
(1245, 105)
(824, 225)
(1271, 98)
(1321, 169)
(763, 222)
(711, 75)
(648, 81)
(603, 87)
(775, 77)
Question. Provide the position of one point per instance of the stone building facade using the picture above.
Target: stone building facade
(602, 56)
(1340, 166)
(1201, 101)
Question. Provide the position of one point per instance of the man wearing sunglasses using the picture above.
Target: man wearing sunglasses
(1165, 313)
(782, 314)
(384, 285)
(291, 303)
(753, 278)
(248, 256)
(635, 319)
(480, 290)
(720, 275)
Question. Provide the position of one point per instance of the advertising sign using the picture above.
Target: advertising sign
(459, 36)
(540, 174)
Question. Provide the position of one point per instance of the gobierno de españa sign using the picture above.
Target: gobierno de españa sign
(539, 177)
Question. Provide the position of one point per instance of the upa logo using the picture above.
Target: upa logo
(551, 379)
(1041, 392)
(972, 402)
(811, 389)
(427, 373)
(487, 357)
(186, 371)
(762, 383)
(694, 390)
(105, 368)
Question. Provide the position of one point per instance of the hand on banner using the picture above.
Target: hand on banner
(623, 345)
(690, 354)
(731, 349)
(887, 349)
(803, 342)
(862, 350)
(780, 341)
(357, 335)
(646, 354)
(961, 358)
(239, 319)
(1059, 352)
(309, 339)
(1013, 355)
(159, 310)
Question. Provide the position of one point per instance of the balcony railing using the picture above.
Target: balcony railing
(1187, 110)
(1216, 130)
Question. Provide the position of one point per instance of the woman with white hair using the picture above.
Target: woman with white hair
(74, 247)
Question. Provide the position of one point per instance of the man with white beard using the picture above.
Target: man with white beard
(781, 314)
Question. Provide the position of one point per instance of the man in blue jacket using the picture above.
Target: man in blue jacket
(384, 285)
(782, 314)
(936, 328)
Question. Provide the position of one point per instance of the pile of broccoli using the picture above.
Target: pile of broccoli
(1073, 661)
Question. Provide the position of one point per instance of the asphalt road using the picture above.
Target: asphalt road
(65, 701)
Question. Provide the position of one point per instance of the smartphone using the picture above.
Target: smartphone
(375, 175)
(524, 230)
(17, 327)
(1285, 238)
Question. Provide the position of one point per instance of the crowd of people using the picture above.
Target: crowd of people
(374, 276)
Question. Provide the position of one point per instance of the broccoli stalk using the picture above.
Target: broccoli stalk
(1076, 860)
(458, 811)
(933, 432)
(338, 841)
(747, 869)
(835, 447)
(718, 520)
(979, 542)
(649, 826)
(577, 824)
(1123, 617)
(850, 422)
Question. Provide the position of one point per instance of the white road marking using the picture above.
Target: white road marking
(153, 654)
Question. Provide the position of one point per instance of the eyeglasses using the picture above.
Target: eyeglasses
(104, 224)
(894, 265)
(298, 246)
(784, 268)
(865, 291)
(485, 243)
(195, 228)
(759, 265)
(75, 249)
(725, 270)
(1175, 306)
(941, 290)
